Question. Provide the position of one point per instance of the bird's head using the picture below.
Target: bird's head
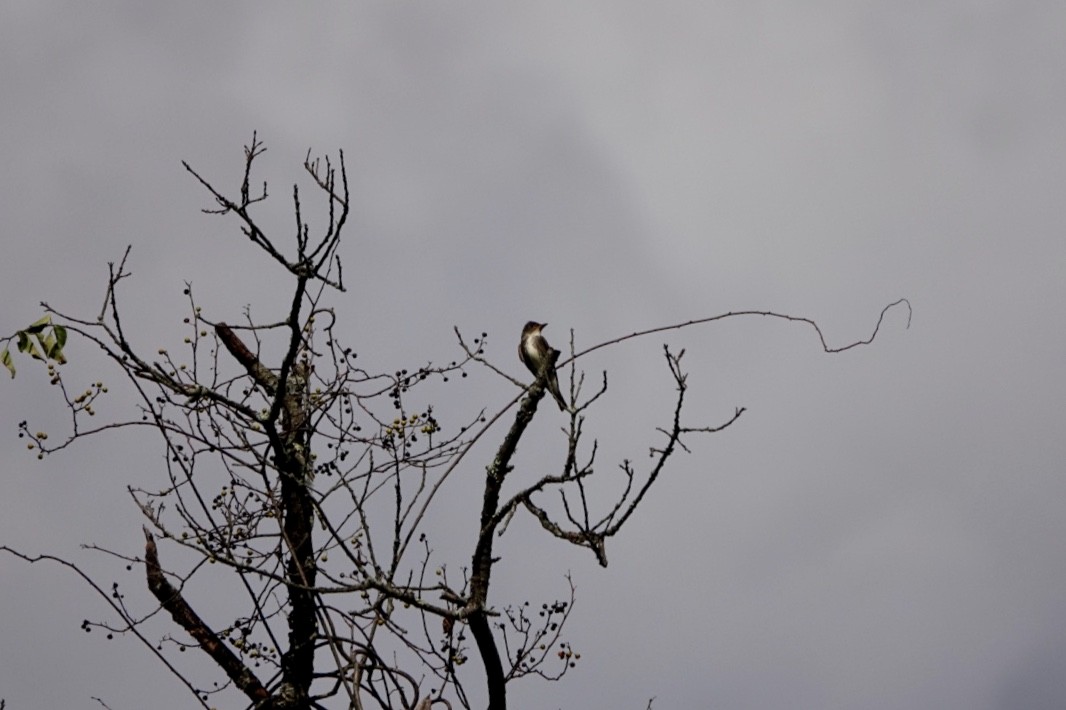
(532, 328)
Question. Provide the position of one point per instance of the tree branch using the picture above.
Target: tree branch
(172, 600)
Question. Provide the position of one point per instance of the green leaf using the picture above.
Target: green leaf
(61, 337)
(48, 343)
(26, 345)
(5, 360)
(39, 325)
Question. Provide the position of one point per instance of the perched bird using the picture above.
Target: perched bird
(535, 352)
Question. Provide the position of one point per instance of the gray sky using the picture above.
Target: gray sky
(884, 528)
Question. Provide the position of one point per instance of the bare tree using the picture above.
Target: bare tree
(309, 480)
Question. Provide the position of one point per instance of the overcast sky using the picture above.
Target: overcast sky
(884, 528)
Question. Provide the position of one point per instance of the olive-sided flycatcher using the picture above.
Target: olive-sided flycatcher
(534, 350)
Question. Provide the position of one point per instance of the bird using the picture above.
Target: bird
(536, 354)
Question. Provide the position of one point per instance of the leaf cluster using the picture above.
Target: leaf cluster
(42, 340)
